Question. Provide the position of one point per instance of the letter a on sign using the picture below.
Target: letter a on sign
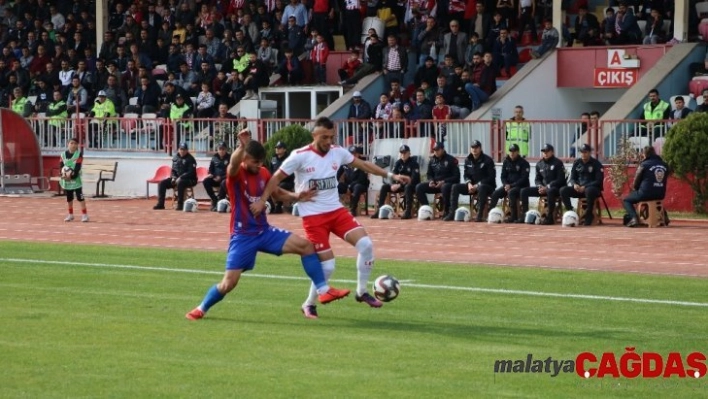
(614, 58)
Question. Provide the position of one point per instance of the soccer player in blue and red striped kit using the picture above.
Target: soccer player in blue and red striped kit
(245, 182)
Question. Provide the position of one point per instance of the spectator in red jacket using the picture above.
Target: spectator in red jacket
(350, 66)
(319, 55)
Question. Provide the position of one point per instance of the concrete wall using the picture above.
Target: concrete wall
(537, 93)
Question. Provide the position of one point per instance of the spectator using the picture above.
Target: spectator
(704, 106)
(174, 59)
(427, 72)
(115, 93)
(240, 40)
(217, 175)
(255, 76)
(654, 112)
(78, 98)
(430, 41)
(626, 26)
(480, 23)
(249, 28)
(206, 74)
(187, 78)
(474, 47)
(87, 79)
(102, 108)
(586, 25)
(482, 80)
(356, 180)
(549, 41)
(184, 174)
(395, 61)
(20, 104)
(148, 97)
(173, 90)
(506, 55)
(205, 102)
(680, 111)
(654, 31)
(202, 57)
(295, 36)
(387, 14)
(375, 52)
(527, 18)
(319, 56)
(43, 92)
(441, 112)
(352, 23)
(349, 67)
(298, 11)
(290, 69)
(495, 29)
(455, 43)
(397, 94)
(359, 110)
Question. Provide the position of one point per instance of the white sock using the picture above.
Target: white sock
(328, 269)
(364, 264)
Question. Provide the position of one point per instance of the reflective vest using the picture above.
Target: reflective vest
(177, 112)
(104, 110)
(657, 113)
(71, 162)
(55, 120)
(242, 64)
(518, 133)
(18, 105)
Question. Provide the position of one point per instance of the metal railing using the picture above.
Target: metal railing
(160, 135)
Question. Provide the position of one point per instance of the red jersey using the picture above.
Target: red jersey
(244, 189)
(441, 113)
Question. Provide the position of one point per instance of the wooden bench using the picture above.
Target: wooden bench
(543, 208)
(652, 213)
(506, 209)
(396, 200)
(596, 210)
(362, 207)
(474, 207)
(92, 171)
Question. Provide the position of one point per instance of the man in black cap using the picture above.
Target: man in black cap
(407, 166)
(184, 174)
(443, 173)
(550, 177)
(281, 154)
(649, 184)
(480, 180)
(356, 180)
(586, 178)
(217, 175)
(514, 178)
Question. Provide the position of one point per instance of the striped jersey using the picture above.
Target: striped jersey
(244, 189)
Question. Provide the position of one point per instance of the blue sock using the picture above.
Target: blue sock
(313, 267)
(212, 297)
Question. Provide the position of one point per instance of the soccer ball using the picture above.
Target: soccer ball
(386, 288)
(66, 172)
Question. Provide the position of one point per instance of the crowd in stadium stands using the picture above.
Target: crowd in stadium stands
(221, 51)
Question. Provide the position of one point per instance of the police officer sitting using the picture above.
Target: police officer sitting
(514, 178)
(281, 154)
(217, 175)
(406, 166)
(480, 180)
(443, 172)
(184, 174)
(550, 177)
(586, 179)
(353, 180)
(649, 184)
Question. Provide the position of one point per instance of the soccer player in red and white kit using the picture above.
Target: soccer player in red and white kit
(315, 167)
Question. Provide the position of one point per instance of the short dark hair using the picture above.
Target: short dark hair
(74, 139)
(324, 122)
(255, 150)
(654, 91)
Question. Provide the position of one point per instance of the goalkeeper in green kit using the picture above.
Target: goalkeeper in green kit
(70, 166)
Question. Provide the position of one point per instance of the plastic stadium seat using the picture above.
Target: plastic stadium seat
(702, 9)
(202, 173)
(162, 173)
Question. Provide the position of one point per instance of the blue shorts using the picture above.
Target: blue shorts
(243, 248)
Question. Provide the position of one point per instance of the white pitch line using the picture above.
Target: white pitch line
(424, 286)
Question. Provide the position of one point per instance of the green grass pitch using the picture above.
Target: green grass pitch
(87, 322)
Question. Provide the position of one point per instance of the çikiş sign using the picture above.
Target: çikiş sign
(622, 70)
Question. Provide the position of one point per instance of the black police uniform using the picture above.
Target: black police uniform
(184, 174)
(217, 169)
(287, 184)
(356, 181)
(409, 168)
(550, 173)
(589, 175)
(480, 172)
(444, 169)
(515, 173)
(649, 184)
